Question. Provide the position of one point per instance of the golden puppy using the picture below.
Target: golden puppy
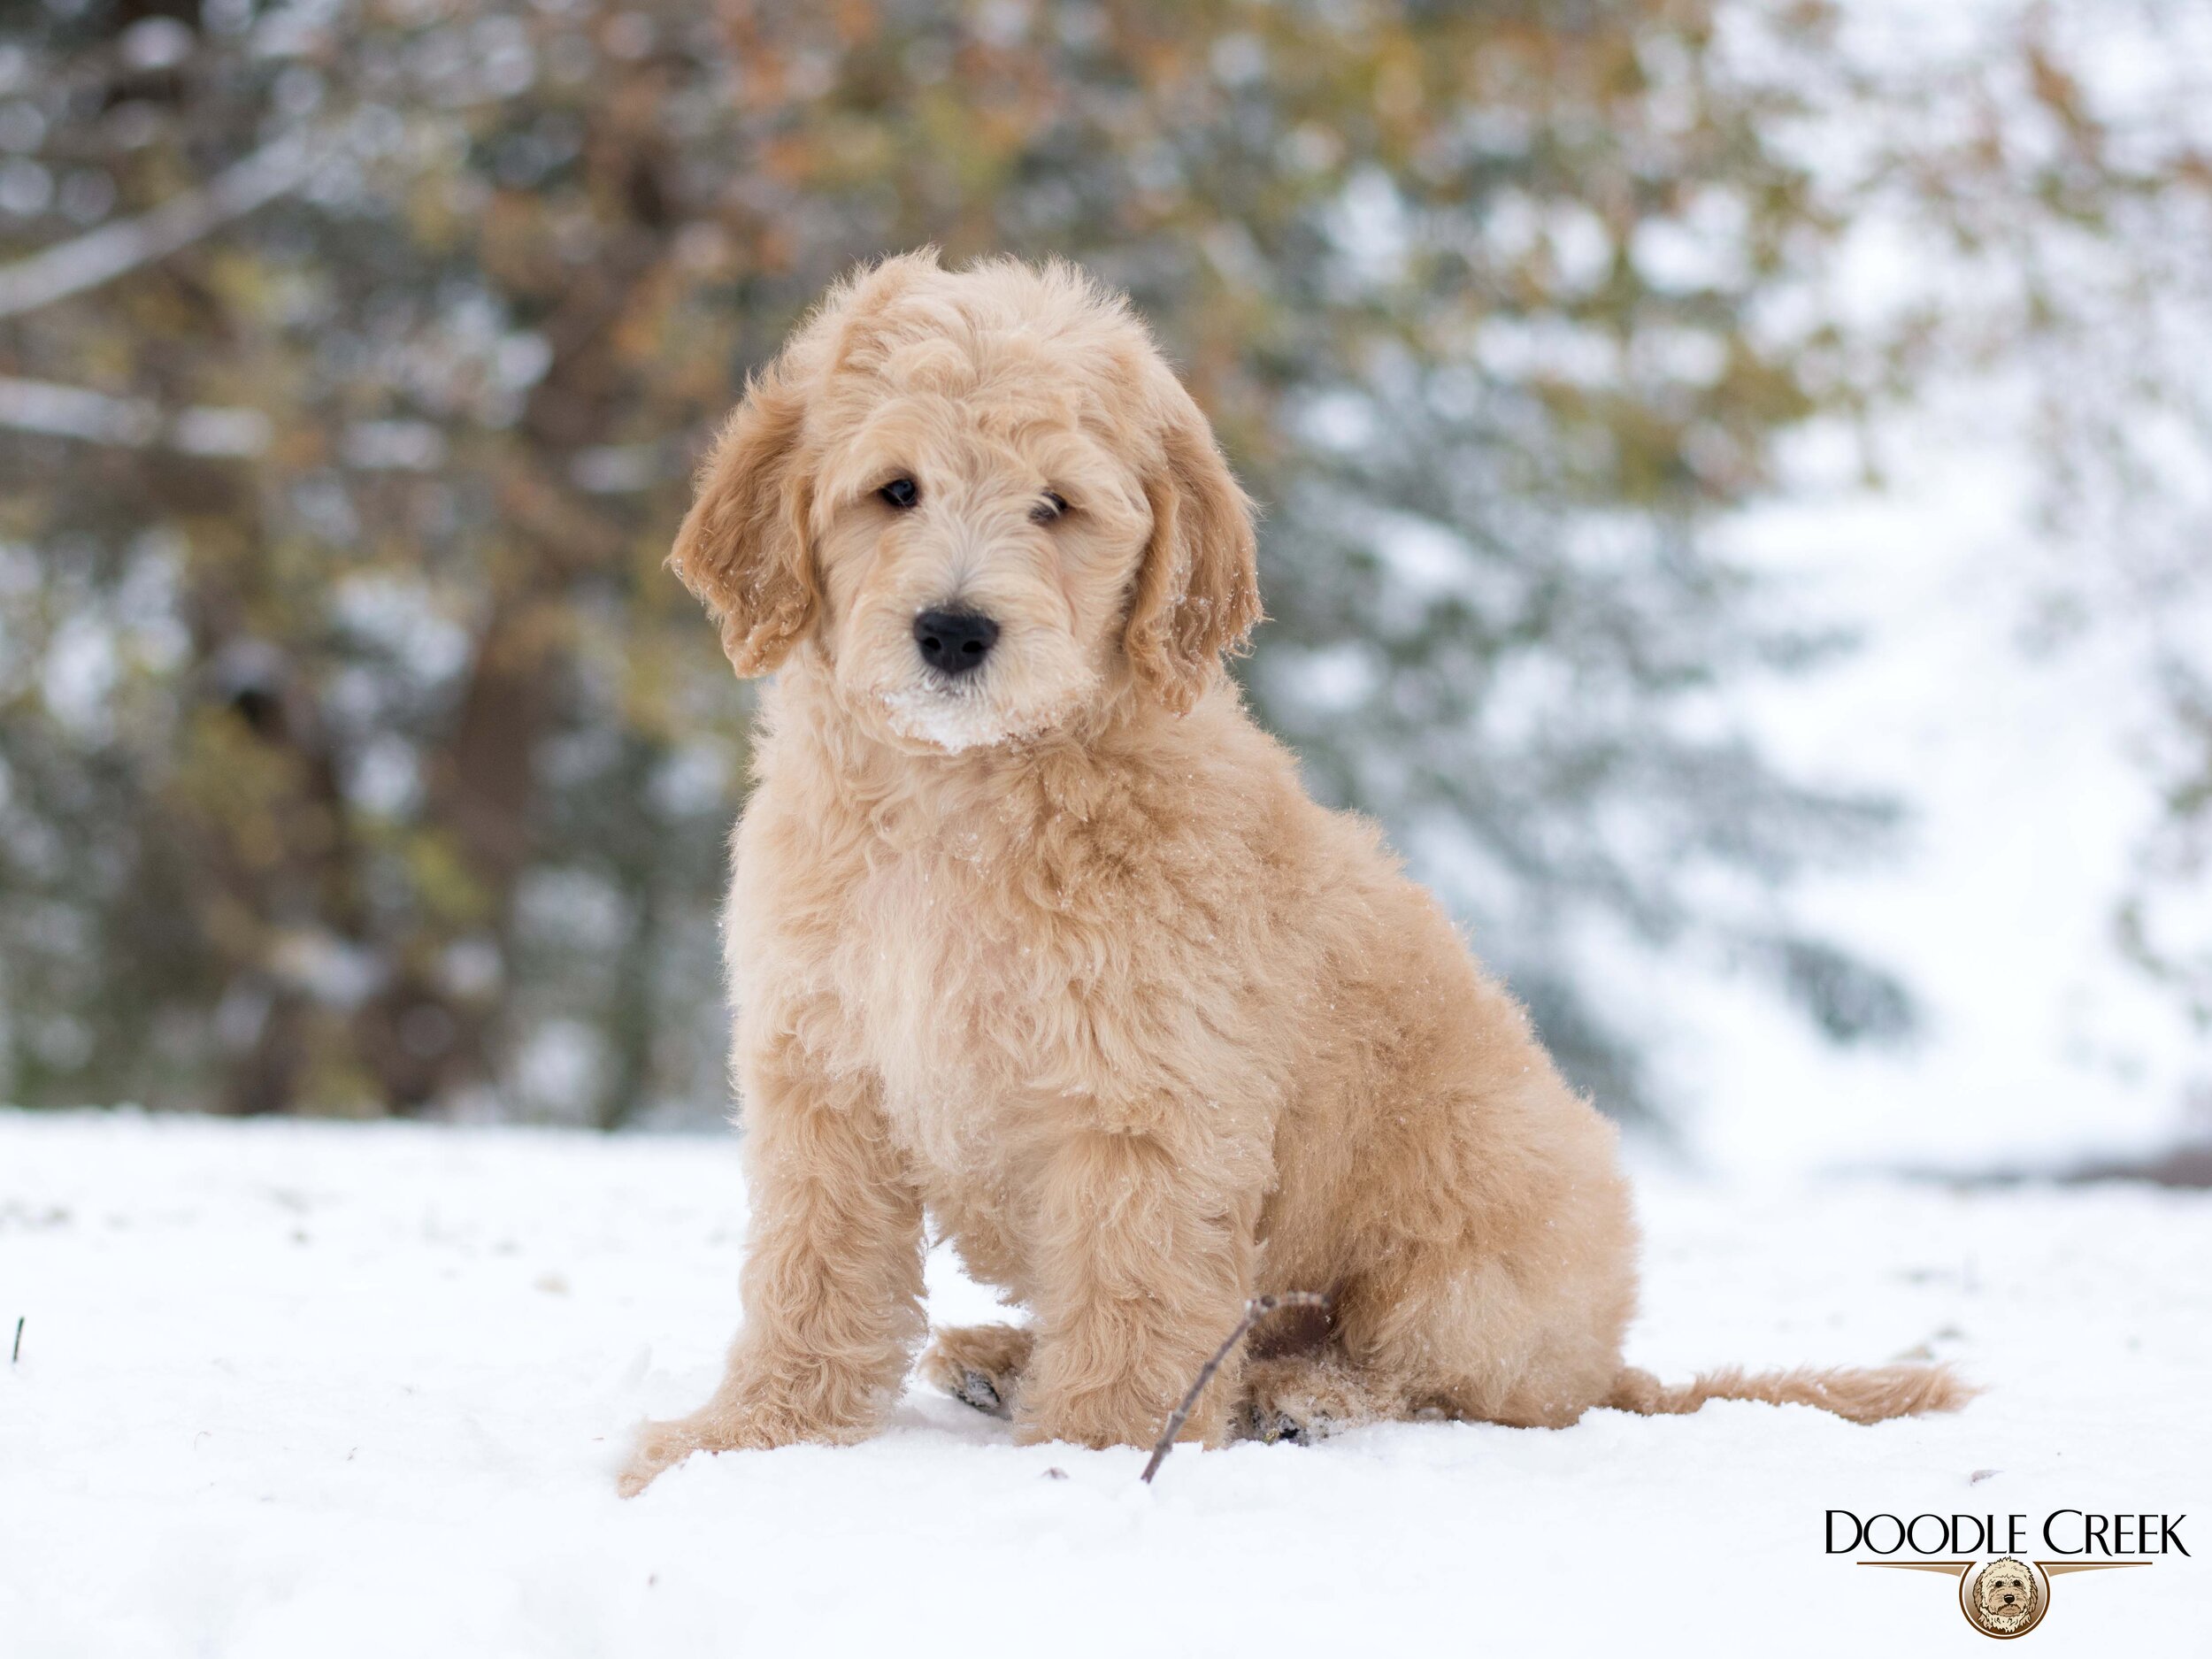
(1033, 931)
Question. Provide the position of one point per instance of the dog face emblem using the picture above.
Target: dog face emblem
(2005, 1596)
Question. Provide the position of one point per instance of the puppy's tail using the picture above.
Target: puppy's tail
(1864, 1395)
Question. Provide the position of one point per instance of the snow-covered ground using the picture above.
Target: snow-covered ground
(292, 1389)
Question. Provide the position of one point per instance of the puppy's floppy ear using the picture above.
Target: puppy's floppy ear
(743, 549)
(1197, 592)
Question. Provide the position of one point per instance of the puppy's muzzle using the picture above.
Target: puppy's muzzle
(954, 642)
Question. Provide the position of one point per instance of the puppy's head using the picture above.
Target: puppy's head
(981, 501)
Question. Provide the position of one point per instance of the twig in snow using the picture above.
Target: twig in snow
(1255, 1310)
(17, 1352)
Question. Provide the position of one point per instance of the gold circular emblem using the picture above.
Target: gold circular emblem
(2004, 1597)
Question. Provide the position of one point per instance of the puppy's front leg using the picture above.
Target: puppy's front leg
(833, 1276)
(1143, 1267)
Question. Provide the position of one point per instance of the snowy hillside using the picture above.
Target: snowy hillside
(290, 1389)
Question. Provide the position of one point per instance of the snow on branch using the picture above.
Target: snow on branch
(102, 255)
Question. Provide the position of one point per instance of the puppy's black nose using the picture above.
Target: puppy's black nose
(954, 642)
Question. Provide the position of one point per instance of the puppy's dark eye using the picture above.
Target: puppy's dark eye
(1050, 508)
(900, 493)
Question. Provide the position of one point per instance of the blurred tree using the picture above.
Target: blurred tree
(358, 754)
(2049, 163)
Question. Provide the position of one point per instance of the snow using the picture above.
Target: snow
(293, 1389)
(956, 716)
(954, 721)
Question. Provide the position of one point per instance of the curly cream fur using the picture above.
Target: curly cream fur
(1063, 956)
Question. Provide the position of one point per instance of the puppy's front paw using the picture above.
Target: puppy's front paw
(658, 1446)
(718, 1428)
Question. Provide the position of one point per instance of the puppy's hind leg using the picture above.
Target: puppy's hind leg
(980, 1365)
(1483, 1339)
(1306, 1397)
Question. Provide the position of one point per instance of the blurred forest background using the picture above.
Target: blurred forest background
(357, 756)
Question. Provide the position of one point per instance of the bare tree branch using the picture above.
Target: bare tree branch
(1255, 1310)
(101, 255)
(72, 411)
(55, 411)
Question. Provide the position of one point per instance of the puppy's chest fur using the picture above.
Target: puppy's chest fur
(950, 1002)
(1001, 974)
(927, 961)
(1027, 952)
